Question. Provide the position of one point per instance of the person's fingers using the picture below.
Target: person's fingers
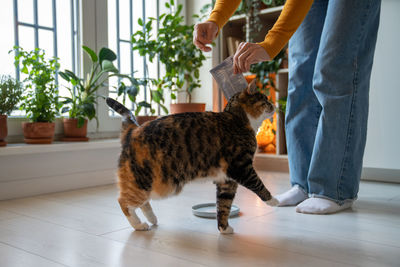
(201, 34)
(206, 49)
(197, 43)
(236, 68)
(235, 56)
(242, 59)
(239, 51)
(204, 34)
(251, 59)
(248, 54)
(200, 44)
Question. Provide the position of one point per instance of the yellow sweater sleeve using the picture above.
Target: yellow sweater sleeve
(293, 13)
(222, 11)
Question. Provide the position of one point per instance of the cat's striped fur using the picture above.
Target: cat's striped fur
(159, 157)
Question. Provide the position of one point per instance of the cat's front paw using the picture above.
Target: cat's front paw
(228, 230)
(142, 227)
(272, 202)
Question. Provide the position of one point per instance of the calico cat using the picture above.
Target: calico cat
(159, 157)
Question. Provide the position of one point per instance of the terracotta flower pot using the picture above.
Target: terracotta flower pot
(38, 132)
(187, 107)
(3, 130)
(143, 119)
(71, 131)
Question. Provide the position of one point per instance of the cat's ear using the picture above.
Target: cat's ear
(252, 87)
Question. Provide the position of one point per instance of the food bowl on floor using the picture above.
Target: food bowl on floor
(209, 210)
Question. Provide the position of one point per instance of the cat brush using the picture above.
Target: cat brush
(227, 81)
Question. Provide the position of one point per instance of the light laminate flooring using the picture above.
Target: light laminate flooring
(87, 228)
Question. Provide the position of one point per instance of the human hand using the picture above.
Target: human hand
(204, 33)
(247, 54)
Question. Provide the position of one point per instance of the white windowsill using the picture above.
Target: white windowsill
(20, 148)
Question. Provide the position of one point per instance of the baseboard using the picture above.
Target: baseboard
(279, 163)
(271, 162)
(381, 175)
(52, 184)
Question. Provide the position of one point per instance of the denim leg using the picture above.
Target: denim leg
(341, 84)
(303, 109)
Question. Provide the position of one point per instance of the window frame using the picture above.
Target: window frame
(91, 22)
(75, 40)
(120, 40)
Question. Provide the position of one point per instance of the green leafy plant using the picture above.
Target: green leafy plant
(10, 94)
(81, 102)
(272, 3)
(263, 71)
(282, 105)
(132, 91)
(245, 5)
(40, 100)
(253, 23)
(175, 49)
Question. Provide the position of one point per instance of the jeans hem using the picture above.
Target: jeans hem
(339, 202)
(300, 187)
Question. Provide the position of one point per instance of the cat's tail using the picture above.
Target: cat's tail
(127, 117)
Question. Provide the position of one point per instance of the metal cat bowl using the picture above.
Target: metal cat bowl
(209, 210)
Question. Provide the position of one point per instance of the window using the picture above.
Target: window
(47, 24)
(122, 23)
(60, 27)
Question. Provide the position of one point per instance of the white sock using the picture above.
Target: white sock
(317, 205)
(292, 197)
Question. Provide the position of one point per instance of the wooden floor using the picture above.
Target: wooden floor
(86, 228)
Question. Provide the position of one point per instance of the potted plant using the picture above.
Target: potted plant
(174, 48)
(10, 95)
(40, 101)
(80, 105)
(132, 91)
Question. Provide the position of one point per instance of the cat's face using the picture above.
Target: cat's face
(256, 105)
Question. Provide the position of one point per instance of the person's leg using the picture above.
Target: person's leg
(303, 108)
(341, 84)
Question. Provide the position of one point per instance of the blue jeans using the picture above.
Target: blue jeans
(330, 62)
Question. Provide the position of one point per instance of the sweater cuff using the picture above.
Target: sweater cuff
(219, 22)
(272, 45)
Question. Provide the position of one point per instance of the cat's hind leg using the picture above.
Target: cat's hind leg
(225, 193)
(129, 207)
(148, 212)
(135, 221)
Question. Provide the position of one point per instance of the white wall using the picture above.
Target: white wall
(383, 144)
(203, 94)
